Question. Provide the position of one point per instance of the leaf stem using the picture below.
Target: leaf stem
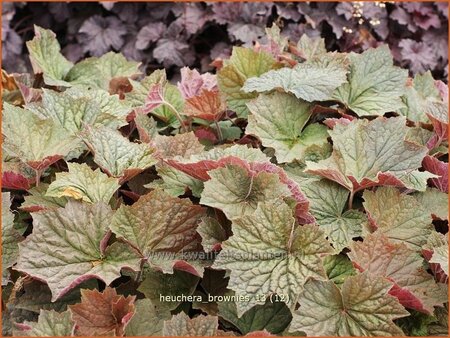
(219, 131)
(177, 114)
(141, 268)
(350, 200)
(38, 176)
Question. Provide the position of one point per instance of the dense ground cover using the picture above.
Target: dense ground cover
(292, 190)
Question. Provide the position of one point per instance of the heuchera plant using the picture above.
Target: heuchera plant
(295, 191)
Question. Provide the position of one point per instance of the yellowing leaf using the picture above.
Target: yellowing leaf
(374, 85)
(67, 241)
(243, 64)
(361, 308)
(81, 182)
(269, 253)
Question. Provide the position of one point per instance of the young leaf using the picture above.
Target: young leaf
(49, 324)
(182, 325)
(374, 85)
(46, 57)
(102, 313)
(83, 183)
(361, 308)
(269, 253)
(327, 204)
(398, 216)
(354, 166)
(279, 119)
(413, 286)
(116, 155)
(170, 230)
(39, 143)
(309, 81)
(243, 64)
(67, 260)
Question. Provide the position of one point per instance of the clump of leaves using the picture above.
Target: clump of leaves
(296, 191)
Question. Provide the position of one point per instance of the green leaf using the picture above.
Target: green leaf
(309, 81)
(268, 253)
(237, 191)
(175, 182)
(354, 166)
(141, 88)
(273, 317)
(83, 183)
(38, 200)
(413, 285)
(75, 108)
(361, 308)
(46, 57)
(328, 201)
(440, 256)
(398, 216)
(37, 142)
(374, 85)
(182, 325)
(49, 324)
(435, 202)
(418, 97)
(278, 119)
(311, 47)
(212, 233)
(66, 260)
(338, 268)
(243, 64)
(166, 291)
(171, 228)
(97, 73)
(147, 320)
(10, 238)
(417, 324)
(116, 155)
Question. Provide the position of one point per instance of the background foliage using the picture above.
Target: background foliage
(194, 34)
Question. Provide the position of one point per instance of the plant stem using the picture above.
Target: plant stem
(141, 268)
